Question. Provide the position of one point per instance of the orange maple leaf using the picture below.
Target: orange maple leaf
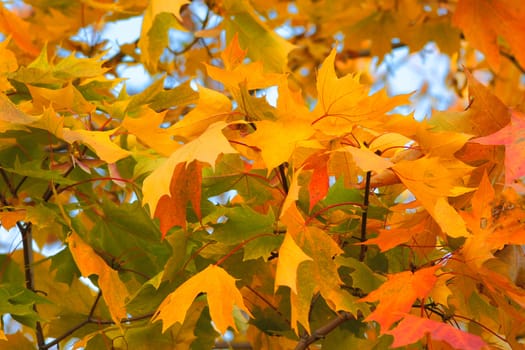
(398, 293)
(413, 328)
(483, 21)
(513, 137)
(185, 187)
(114, 291)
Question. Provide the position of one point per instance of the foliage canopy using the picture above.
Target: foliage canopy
(198, 206)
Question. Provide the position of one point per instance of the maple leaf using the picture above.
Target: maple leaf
(485, 115)
(18, 29)
(114, 291)
(431, 180)
(205, 148)
(222, 295)
(8, 63)
(185, 186)
(290, 258)
(67, 98)
(413, 328)
(398, 293)
(344, 102)
(477, 248)
(264, 44)
(320, 274)
(416, 230)
(506, 19)
(367, 160)
(277, 140)
(318, 186)
(158, 18)
(212, 107)
(99, 141)
(512, 136)
(8, 219)
(146, 126)
(251, 76)
(488, 233)
(12, 118)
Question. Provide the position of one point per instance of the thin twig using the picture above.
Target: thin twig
(323, 331)
(364, 216)
(267, 302)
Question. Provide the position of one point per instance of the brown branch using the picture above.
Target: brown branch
(91, 320)
(282, 176)
(323, 331)
(8, 182)
(49, 192)
(513, 60)
(364, 216)
(27, 244)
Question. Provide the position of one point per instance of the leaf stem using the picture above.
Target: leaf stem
(267, 302)
(239, 246)
(331, 206)
(364, 216)
(49, 192)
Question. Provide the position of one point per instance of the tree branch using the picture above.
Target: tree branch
(364, 216)
(323, 331)
(89, 320)
(284, 181)
(27, 243)
(8, 182)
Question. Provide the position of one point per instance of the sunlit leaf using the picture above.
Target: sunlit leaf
(114, 291)
(398, 293)
(221, 292)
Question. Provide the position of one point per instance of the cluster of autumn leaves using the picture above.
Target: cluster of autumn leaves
(340, 206)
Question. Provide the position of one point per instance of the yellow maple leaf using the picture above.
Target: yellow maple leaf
(212, 107)
(114, 291)
(290, 258)
(206, 148)
(263, 43)
(64, 99)
(367, 160)
(155, 8)
(147, 128)
(277, 140)
(317, 273)
(344, 102)
(432, 180)
(99, 142)
(8, 219)
(8, 64)
(12, 118)
(222, 296)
